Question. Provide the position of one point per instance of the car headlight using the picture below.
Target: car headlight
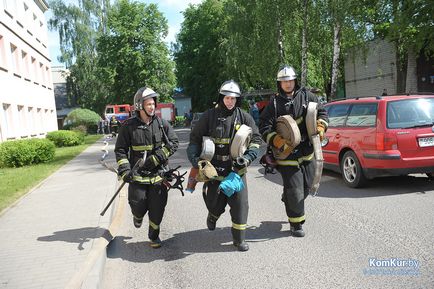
(324, 142)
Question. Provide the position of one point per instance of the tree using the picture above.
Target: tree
(199, 53)
(78, 28)
(409, 24)
(132, 54)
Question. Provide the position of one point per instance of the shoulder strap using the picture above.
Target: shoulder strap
(160, 124)
(275, 108)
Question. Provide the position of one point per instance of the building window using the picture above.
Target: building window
(31, 120)
(3, 63)
(26, 65)
(22, 120)
(40, 121)
(42, 74)
(15, 61)
(34, 65)
(7, 120)
(48, 74)
(9, 7)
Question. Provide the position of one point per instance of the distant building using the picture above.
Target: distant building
(64, 105)
(182, 103)
(27, 107)
(375, 71)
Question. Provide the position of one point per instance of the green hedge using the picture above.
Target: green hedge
(66, 138)
(179, 120)
(82, 117)
(18, 153)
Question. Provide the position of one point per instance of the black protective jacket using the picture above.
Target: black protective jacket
(296, 107)
(221, 124)
(135, 137)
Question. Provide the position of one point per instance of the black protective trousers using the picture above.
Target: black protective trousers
(297, 182)
(216, 202)
(148, 198)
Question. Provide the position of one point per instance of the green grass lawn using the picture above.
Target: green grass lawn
(15, 182)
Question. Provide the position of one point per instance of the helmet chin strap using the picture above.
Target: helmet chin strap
(148, 114)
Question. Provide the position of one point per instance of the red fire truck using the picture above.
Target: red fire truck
(123, 111)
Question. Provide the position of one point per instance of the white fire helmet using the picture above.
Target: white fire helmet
(230, 88)
(142, 94)
(286, 73)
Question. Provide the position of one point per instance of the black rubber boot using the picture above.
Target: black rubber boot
(155, 243)
(297, 230)
(153, 236)
(137, 222)
(211, 222)
(239, 237)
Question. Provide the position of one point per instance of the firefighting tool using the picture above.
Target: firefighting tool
(208, 149)
(288, 129)
(314, 137)
(240, 141)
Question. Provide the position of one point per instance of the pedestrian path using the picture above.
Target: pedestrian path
(47, 234)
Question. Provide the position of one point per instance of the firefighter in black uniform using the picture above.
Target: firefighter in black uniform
(221, 123)
(297, 169)
(150, 137)
(114, 124)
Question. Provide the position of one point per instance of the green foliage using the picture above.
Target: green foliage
(82, 129)
(26, 152)
(179, 120)
(15, 182)
(78, 27)
(65, 138)
(133, 54)
(407, 23)
(200, 52)
(82, 117)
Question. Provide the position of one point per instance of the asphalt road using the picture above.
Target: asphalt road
(349, 233)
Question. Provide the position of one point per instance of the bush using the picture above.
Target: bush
(66, 138)
(19, 153)
(82, 117)
(80, 129)
(179, 121)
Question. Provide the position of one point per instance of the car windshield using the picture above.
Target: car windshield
(409, 113)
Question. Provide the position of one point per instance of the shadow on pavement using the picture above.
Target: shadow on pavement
(79, 236)
(184, 244)
(332, 185)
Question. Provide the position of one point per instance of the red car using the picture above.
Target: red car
(371, 137)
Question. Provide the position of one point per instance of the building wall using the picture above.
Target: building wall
(183, 105)
(59, 83)
(368, 73)
(27, 106)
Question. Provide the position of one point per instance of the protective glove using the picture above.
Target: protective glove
(127, 176)
(162, 155)
(320, 127)
(281, 144)
(151, 162)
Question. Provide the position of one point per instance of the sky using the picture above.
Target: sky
(170, 8)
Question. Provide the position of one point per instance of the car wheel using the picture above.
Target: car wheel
(352, 170)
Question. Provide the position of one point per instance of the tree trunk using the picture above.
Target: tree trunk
(411, 79)
(335, 63)
(304, 46)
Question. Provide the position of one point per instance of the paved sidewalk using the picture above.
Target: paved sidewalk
(47, 235)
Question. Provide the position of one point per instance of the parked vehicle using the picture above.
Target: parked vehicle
(124, 111)
(120, 111)
(166, 111)
(380, 136)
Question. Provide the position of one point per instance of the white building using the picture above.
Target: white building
(27, 106)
